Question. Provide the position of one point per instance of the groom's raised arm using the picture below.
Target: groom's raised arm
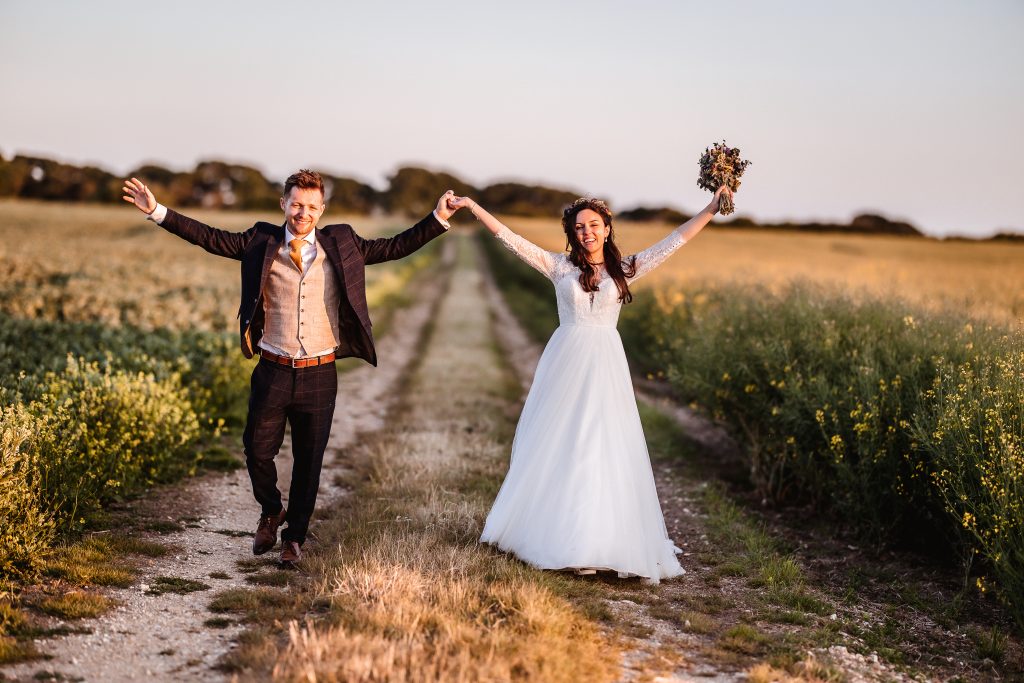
(213, 240)
(408, 241)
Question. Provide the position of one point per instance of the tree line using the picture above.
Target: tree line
(410, 190)
(221, 185)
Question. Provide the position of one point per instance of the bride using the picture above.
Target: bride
(579, 493)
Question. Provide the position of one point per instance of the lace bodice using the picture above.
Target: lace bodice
(575, 306)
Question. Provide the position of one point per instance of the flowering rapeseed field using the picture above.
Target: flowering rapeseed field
(879, 378)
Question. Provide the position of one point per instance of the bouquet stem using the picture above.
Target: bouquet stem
(725, 205)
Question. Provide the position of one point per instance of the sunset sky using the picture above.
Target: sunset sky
(910, 109)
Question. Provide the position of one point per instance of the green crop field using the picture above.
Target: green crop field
(983, 280)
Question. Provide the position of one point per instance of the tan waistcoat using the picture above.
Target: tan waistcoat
(301, 309)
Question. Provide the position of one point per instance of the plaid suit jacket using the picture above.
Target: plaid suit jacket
(347, 252)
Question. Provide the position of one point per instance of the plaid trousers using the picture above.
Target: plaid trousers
(305, 398)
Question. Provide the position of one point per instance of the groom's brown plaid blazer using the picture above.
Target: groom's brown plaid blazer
(346, 251)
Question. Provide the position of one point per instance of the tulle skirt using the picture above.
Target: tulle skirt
(580, 492)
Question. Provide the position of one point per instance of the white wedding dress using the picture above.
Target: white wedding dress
(580, 491)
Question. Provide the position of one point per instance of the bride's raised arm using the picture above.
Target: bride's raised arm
(651, 257)
(530, 253)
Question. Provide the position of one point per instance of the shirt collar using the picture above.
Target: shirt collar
(310, 236)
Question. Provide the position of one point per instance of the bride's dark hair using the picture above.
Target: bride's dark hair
(618, 269)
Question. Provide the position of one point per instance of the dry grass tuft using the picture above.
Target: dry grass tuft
(76, 605)
(88, 563)
(13, 650)
(175, 584)
(808, 670)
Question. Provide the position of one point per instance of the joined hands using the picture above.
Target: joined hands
(446, 206)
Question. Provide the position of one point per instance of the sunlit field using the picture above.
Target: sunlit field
(108, 264)
(982, 279)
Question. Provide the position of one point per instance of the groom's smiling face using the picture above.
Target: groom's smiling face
(302, 209)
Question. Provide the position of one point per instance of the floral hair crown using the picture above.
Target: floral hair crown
(587, 203)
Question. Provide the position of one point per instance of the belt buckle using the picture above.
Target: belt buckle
(292, 362)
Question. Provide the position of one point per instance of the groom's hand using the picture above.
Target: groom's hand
(444, 208)
(136, 192)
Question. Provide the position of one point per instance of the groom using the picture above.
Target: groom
(303, 306)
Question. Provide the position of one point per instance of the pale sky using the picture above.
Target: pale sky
(910, 109)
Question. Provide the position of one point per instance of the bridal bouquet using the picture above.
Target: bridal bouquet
(721, 165)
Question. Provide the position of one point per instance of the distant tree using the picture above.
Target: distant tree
(351, 196)
(412, 190)
(526, 200)
(741, 222)
(660, 214)
(866, 224)
(12, 177)
(218, 184)
(154, 175)
(872, 223)
(49, 179)
(172, 188)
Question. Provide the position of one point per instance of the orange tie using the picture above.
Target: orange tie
(296, 253)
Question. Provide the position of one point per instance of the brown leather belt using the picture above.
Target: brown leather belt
(297, 362)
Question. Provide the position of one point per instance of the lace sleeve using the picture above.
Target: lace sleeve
(530, 253)
(651, 257)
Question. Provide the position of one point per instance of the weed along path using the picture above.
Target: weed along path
(162, 628)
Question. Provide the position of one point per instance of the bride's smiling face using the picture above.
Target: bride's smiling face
(591, 232)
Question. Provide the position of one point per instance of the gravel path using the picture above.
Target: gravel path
(163, 637)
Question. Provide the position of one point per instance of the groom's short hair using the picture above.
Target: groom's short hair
(304, 180)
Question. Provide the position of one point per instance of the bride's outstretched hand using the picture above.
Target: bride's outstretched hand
(716, 202)
(457, 202)
(690, 228)
(479, 212)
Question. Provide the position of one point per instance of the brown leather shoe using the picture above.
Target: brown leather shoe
(291, 552)
(266, 533)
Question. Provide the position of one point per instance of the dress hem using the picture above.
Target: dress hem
(584, 566)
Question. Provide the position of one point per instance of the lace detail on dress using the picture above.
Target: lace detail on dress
(546, 262)
(651, 257)
(575, 306)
